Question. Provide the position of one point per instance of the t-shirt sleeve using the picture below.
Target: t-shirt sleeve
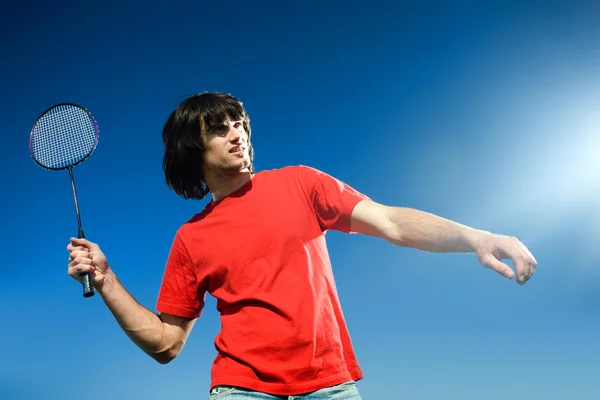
(180, 293)
(332, 199)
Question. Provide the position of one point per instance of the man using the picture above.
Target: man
(259, 248)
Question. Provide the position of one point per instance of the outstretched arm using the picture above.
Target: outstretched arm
(161, 337)
(408, 227)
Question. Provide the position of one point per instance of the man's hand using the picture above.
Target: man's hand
(162, 338)
(492, 248)
(85, 256)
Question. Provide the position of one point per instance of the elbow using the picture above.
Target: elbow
(165, 357)
(395, 235)
(162, 359)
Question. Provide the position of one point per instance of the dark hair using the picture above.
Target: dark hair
(184, 147)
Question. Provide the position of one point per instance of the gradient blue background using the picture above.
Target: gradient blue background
(487, 115)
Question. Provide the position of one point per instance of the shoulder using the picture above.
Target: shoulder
(303, 175)
(291, 170)
(190, 225)
(298, 176)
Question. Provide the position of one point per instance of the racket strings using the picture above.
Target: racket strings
(64, 136)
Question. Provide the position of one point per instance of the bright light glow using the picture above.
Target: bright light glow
(555, 179)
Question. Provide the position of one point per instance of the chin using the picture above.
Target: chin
(245, 167)
(245, 163)
(238, 167)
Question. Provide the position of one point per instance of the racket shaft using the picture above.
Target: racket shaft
(86, 281)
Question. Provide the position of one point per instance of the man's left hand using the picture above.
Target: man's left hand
(493, 248)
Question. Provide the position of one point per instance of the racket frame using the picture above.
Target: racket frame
(88, 289)
(78, 162)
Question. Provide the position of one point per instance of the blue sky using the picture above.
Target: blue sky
(486, 115)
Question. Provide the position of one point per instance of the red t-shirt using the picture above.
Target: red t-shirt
(261, 252)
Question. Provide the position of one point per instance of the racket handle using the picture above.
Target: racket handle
(88, 289)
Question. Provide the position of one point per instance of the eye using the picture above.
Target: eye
(238, 125)
(219, 130)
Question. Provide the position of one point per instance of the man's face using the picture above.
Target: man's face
(226, 149)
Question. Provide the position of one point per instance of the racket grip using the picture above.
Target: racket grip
(88, 289)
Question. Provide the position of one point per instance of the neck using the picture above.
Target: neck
(223, 185)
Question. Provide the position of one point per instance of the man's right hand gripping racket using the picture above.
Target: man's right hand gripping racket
(63, 136)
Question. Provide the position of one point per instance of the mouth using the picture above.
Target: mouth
(237, 150)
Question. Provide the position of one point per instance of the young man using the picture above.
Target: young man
(259, 248)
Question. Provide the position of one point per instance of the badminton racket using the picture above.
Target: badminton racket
(63, 136)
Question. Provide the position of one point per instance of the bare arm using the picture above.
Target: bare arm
(408, 227)
(161, 337)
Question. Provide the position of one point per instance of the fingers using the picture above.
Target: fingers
(80, 262)
(78, 270)
(525, 267)
(80, 253)
(526, 250)
(523, 260)
(81, 242)
(529, 259)
(490, 261)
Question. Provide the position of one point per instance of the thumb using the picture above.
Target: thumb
(488, 260)
(84, 243)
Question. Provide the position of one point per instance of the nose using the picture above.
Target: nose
(234, 135)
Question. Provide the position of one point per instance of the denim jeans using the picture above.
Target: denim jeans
(344, 391)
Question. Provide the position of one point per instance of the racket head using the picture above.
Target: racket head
(63, 136)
